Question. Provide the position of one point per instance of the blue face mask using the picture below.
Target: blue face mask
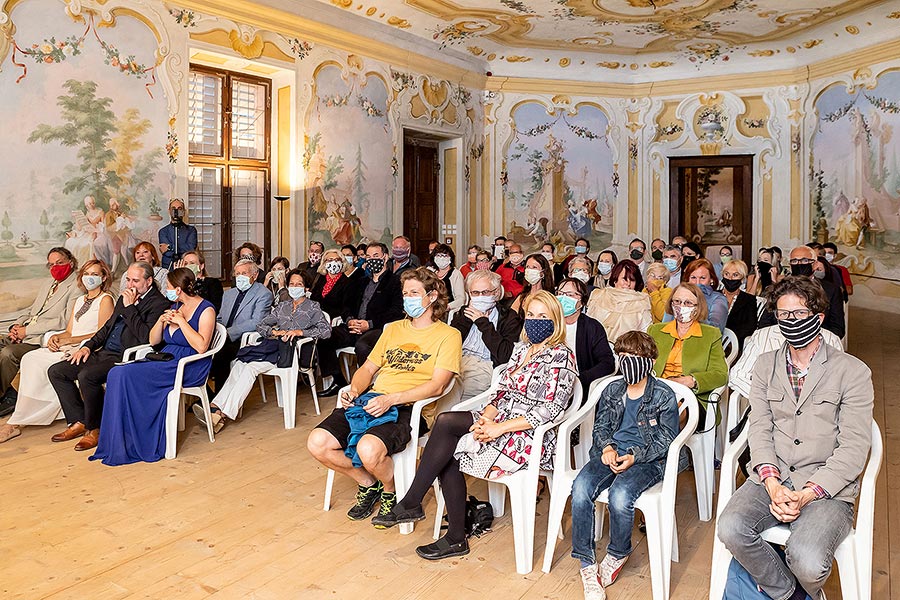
(671, 264)
(538, 330)
(242, 283)
(172, 295)
(581, 249)
(569, 305)
(414, 307)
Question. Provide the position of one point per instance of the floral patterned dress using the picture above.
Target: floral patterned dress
(540, 391)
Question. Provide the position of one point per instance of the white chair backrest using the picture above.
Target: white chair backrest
(730, 345)
(760, 307)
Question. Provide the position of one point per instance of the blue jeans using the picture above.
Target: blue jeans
(624, 490)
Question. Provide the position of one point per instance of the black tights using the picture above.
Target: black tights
(438, 462)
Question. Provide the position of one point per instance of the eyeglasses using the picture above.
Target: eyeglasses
(483, 292)
(800, 313)
(574, 295)
(686, 303)
(484, 260)
(802, 261)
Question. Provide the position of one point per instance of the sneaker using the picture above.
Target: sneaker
(218, 421)
(592, 588)
(610, 568)
(443, 549)
(366, 497)
(396, 515)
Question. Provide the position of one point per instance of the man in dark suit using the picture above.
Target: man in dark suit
(137, 310)
(592, 352)
(376, 301)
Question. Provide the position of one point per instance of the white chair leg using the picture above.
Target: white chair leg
(558, 499)
(312, 387)
(171, 424)
(439, 514)
(704, 473)
(523, 531)
(329, 485)
(180, 413)
(853, 581)
(657, 551)
(262, 389)
(497, 498)
(288, 384)
(674, 539)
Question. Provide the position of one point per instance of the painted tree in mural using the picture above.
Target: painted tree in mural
(820, 224)
(360, 195)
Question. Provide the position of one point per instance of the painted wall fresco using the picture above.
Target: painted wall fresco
(348, 159)
(84, 146)
(855, 179)
(560, 183)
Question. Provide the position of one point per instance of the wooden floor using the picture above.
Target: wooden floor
(242, 518)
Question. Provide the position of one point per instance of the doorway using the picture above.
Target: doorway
(421, 202)
(711, 202)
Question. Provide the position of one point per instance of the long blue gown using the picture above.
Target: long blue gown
(133, 427)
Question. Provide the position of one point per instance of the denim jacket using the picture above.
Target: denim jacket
(657, 420)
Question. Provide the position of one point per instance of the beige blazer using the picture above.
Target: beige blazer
(823, 437)
(55, 314)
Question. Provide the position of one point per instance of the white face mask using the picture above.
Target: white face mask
(548, 256)
(684, 313)
(350, 259)
(442, 261)
(532, 276)
(604, 268)
(333, 267)
(482, 303)
(91, 282)
(296, 292)
(581, 275)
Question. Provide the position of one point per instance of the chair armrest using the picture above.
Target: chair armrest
(670, 477)
(250, 337)
(137, 352)
(475, 402)
(419, 405)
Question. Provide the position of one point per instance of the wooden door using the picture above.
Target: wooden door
(420, 196)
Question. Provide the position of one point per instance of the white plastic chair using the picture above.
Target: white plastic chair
(703, 456)
(404, 461)
(730, 345)
(344, 353)
(657, 504)
(522, 484)
(853, 555)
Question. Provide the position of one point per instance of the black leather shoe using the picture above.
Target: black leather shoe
(443, 549)
(8, 404)
(398, 515)
(331, 390)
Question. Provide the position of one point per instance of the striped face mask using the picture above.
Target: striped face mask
(634, 368)
(799, 333)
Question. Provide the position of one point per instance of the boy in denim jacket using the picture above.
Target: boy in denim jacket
(636, 421)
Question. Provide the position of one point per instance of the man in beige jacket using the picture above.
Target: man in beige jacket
(50, 312)
(809, 434)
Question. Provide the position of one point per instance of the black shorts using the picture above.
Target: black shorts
(394, 436)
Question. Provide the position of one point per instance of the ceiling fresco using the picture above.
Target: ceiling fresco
(541, 38)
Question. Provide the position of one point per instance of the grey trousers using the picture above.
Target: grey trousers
(815, 534)
(10, 356)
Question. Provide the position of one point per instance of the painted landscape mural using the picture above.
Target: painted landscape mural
(560, 183)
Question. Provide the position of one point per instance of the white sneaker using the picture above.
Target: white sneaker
(610, 568)
(592, 588)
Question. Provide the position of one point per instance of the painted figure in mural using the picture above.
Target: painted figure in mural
(536, 229)
(863, 220)
(118, 233)
(348, 223)
(591, 206)
(80, 241)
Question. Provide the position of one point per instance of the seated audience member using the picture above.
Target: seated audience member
(538, 276)
(584, 335)
(622, 306)
(830, 252)
(637, 250)
(764, 273)
(499, 252)
(471, 260)
(690, 353)
(415, 358)
(512, 273)
(361, 255)
(535, 389)
(431, 246)
(690, 251)
(548, 251)
(209, 288)
(605, 263)
(656, 286)
(290, 320)
(637, 420)
(313, 260)
(371, 304)
(672, 260)
(582, 269)
(402, 257)
(177, 237)
(726, 255)
(679, 241)
(276, 279)
(139, 306)
(656, 249)
(700, 272)
(741, 305)
(823, 269)
(332, 289)
(49, 312)
(249, 251)
(37, 403)
(243, 307)
(483, 261)
(146, 252)
(801, 260)
(443, 262)
(809, 435)
(582, 248)
(133, 427)
(488, 330)
(354, 264)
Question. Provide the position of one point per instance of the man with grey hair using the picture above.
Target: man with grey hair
(402, 257)
(488, 330)
(672, 258)
(243, 307)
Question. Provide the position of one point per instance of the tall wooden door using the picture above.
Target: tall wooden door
(420, 196)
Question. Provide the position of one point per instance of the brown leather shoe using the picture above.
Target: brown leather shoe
(71, 432)
(89, 440)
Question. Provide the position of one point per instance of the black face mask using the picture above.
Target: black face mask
(177, 215)
(686, 259)
(637, 254)
(656, 254)
(731, 285)
(802, 270)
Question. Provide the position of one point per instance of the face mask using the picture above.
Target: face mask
(374, 266)
(671, 264)
(548, 256)
(725, 259)
(195, 269)
(172, 295)
(819, 274)
(581, 275)
(314, 258)
(278, 274)
(802, 270)
(829, 257)
(538, 330)
(634, 368)
(515, 259)
(687, 259)
(333, 267)
(400, 255)
(569, 305)
(482, 266)
(482, 303)
(349, 259)
(242, 283)
(60, 272)
(296, 292)
(414, 307)
(532, 276)
(684, 313)
(581, 249)
(731, 285)
(656, 254)
(637, 254)
(604, 268)
(763, 267)
(248, 257)
(360, 261)
(441, 261)
(799, 333)
(91, 282)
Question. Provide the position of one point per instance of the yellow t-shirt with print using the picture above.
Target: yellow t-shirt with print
(407, 356)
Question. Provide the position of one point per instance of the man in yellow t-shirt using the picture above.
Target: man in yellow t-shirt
(414, 358)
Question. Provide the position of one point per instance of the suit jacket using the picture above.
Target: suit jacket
(823, 437)
(742, 317)
(386, 304)
(139, 320)
(54, 315)
(256, 304)
(592, 351)
(834, 316)
(500, 340)
(702, 357)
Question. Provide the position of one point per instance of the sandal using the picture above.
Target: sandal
(8, 432)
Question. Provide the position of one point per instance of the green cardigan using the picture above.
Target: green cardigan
(702, 357)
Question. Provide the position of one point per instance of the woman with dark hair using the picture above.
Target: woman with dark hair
(248, 251)
(443, 262)
(622, 306)
(538, 276)
(334, 282)
(276, 279)
(133, 426)
(585, 335)
(606, 260)
(146, 252)
(354, 270)
(208, 288)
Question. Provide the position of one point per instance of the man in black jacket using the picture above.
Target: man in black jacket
(376, 301)
(490, 342)
(591, 346)
(137, 310)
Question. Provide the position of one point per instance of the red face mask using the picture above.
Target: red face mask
(60, 272)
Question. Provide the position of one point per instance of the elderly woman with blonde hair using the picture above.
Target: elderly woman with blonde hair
(333, 284)
(656, 286)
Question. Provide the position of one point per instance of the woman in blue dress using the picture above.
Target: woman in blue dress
(133, 427)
